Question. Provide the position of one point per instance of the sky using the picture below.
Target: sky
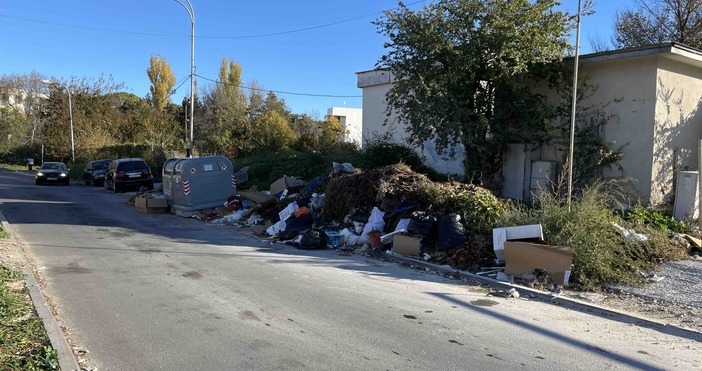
(312, 48)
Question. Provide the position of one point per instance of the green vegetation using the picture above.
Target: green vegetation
(24, 344)
(602, 255)
(659, 219)
(13, 167)
(3, 233)
(267, 167)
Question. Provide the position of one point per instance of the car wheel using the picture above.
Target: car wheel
(86, 181)
(37, 182)
(67, 182)
(116, 188)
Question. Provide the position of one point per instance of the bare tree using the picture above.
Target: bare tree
(658, 21)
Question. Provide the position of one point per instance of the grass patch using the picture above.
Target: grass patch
(3, 233)
(13, 167)
(24, 344)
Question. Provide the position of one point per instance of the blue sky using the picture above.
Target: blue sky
(88, 37)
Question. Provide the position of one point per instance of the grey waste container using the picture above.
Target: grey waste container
(193, 184)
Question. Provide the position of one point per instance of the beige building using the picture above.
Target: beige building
(658, 91)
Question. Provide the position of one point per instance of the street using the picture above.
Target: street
(156, 291)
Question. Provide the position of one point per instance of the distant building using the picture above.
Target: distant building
(351, 120)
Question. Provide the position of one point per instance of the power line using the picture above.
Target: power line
(202, 37)
(181, 84)
(279, 91)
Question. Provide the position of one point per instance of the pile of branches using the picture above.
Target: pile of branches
(384, 187)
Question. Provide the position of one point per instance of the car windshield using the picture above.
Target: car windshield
(132, 166)
(102, 165)
(53, 166)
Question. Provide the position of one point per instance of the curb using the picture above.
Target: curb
(66, 359)
(556, 299)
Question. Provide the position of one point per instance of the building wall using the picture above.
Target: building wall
(375, 85)
(376, 123)
(631, 121)
(678, 124)
(352, 120)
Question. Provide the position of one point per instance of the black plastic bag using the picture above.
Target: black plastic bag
(451, 232)
(313, 239)
(420, 223)
(293, 226)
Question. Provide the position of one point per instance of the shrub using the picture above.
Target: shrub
(379, 153)
(601, 254)
(659, 219)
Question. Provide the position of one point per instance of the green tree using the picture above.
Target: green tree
(97, 119)
(657, 21)
(273, 132)
(449, 59)
(162, 81)
(332, 132)
(226, 128)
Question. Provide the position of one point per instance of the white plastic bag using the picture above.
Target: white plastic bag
(375, 223)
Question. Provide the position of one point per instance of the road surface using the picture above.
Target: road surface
(155, 291)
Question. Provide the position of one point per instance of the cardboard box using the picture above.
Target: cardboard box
(523, 258)
(406, 245)
(151, 205)
(286, 182)
(525, 233)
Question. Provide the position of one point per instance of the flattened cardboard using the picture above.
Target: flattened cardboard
(522, 258)
(284, 183)
(406, 245)
(255, 196)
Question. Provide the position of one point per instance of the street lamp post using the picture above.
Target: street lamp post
(191, 13)
(573, 110)
(70, 113)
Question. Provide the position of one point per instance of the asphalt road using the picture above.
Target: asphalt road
(157, 291)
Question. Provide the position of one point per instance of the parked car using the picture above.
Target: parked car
(52, 172)
(94, 172)
(128, 173)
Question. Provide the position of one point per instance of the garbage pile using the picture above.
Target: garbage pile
(394, 210)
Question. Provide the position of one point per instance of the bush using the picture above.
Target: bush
(266, 167)
(379, 153)
(659, 219)
(601, 254)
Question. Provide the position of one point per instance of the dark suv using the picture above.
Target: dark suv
(128, 172)
(94, 172)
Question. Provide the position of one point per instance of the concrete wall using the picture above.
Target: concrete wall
(352, 121)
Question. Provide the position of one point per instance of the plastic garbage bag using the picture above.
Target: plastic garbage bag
(313, 239)
(343, 168)
(421, 223)
(295, 225)
(451, 232)
(375, 223)
(349, 238)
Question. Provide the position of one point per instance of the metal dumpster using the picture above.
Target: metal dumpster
(193, 184)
